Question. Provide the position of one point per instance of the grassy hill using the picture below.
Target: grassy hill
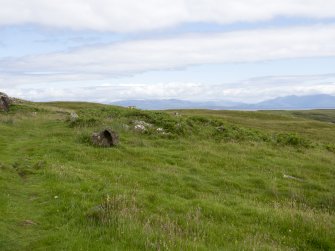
(211, 180)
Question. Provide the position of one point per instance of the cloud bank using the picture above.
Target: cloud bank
(249, 90)
(91, 72)
(132, 15)
(170, 53)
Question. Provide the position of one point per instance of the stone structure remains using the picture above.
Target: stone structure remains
(4, 102)
(105, 138)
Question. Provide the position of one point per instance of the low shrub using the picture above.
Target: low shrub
(292, 139)
(238, 134)
(330, 147)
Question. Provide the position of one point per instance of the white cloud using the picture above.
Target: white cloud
(160, 54)
(251, 90)
(132, 15)
(44, 77)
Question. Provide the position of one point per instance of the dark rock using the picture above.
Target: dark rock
(4, 102)
(106, 138)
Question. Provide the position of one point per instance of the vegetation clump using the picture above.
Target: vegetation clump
(330, 147)
(292, 139)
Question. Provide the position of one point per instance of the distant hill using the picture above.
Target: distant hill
(164, 104)
(319, 101)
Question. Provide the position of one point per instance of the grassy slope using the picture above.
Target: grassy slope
(195, 188)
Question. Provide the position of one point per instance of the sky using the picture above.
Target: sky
(197, 50)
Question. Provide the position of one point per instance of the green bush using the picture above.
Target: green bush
(292, 139)
(330, 147)
(238, 134)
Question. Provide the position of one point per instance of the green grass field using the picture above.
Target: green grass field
(215, 180)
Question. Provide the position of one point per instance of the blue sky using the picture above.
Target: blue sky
(112, 50)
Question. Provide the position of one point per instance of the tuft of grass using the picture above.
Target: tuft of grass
(292, 139)
(87, 122)
(330, 147)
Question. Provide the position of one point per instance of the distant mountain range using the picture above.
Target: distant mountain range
(320, 101)
(157, 104)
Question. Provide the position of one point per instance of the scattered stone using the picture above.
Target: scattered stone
(73, 117)
(220, 128)
(4, 102)
(106, 138)
(161, 130)
(141, 122)
(292, 177)
(28, 223)
(141, 126)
